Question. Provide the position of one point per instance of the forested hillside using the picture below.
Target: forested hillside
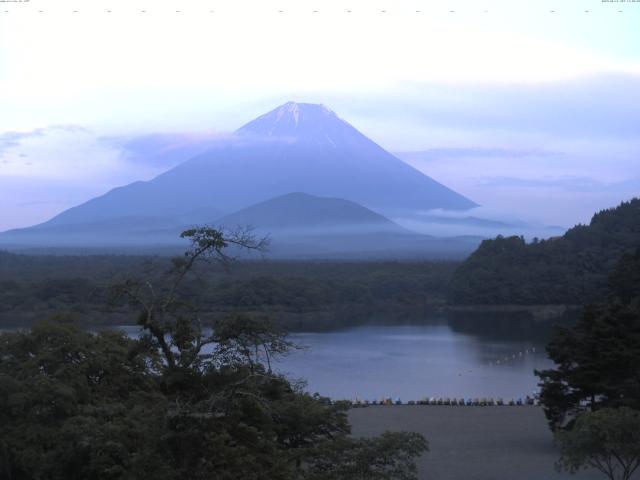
(571, 269)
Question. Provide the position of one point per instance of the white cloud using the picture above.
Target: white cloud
(98, 67)
(49, 169)
(512, 79)
(69, 154)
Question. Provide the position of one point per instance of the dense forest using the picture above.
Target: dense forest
(571, 269)
(298, 294)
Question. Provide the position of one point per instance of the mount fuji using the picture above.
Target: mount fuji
(297, 147)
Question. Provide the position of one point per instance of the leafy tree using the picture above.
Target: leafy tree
(378, 458)
(76, 405)
(598, 360)
(180, 401)
(607, 440)
(173, 326)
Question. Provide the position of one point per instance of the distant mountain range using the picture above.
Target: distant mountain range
(349, 183)
(298, 225)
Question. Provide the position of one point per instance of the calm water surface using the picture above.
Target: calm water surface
(412, 362)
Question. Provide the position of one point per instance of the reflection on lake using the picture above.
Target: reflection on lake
(412, 362)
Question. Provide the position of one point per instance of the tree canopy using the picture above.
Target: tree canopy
(598, 360)
(607, 440)
(178, 401)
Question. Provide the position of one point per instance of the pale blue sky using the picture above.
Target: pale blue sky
(508, 75)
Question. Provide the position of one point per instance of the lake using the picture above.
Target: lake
(478, 356)
(438, 359)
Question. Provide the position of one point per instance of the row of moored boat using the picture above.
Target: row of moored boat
(476, 402)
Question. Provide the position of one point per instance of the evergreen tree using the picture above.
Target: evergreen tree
(598, 360)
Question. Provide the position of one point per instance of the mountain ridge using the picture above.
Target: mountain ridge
(262, 166)
(295, 147)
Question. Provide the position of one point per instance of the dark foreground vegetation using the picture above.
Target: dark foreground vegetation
(592, 398)
(75, 405)
(571, 269)
(178, 402)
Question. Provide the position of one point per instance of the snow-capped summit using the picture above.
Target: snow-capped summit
(301, 122)
(298, 147)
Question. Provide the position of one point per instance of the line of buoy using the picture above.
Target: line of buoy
(513, 356)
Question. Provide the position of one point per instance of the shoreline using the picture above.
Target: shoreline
(334, 318)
